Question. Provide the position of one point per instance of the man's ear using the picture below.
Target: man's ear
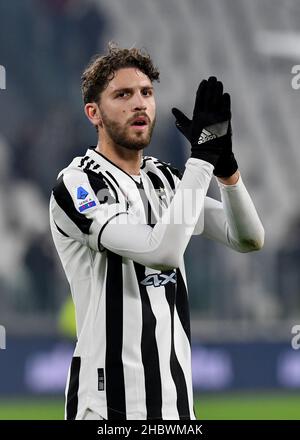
(93, 113)
(100, 116)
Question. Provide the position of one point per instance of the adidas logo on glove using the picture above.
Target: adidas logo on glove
(206, 136)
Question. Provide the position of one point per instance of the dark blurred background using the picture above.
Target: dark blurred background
(243, 305)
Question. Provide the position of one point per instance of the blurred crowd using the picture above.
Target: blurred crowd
(44, 46)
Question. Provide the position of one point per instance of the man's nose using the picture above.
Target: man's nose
(139, 102)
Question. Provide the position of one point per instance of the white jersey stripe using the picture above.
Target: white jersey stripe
(160, 306)
(131, 354)
(149, 350)
(183, 353)
(176, 369)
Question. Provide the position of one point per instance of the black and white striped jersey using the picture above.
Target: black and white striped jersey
(133, 355)
(121, 245)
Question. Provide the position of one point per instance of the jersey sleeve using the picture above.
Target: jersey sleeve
(176, 176)
(82, 205)
(234, 221)
(161, 247)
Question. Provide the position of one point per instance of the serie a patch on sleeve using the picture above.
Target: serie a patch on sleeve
(83, 198)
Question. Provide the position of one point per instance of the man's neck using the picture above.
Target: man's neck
(128, 160)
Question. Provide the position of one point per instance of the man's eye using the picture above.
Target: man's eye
(122, 94)
(147, 92)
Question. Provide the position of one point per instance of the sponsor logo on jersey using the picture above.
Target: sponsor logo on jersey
(81, 193)
(84, 199)
(159, 279)
(87, 205)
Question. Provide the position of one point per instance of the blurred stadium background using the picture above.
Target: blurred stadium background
(243, 306)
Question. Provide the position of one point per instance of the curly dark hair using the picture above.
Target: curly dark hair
(102, 68)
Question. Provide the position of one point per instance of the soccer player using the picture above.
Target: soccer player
(121, 222)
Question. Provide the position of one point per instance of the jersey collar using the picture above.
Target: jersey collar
(99, 157)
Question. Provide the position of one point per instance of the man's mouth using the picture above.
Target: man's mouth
(139, 122)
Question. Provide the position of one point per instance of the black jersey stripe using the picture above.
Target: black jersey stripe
(149, 215)
(83, 160)
(176, 370)
(107, 180)
(168, 176)
(96, 180)
(99, 181)
(155, 180)
(112, 178)
(182, 305)
(72, 395)
(64, 200)
(115, 383)
(60, 230)
(101, 187)
(149, 351)
(168, 166)
(159, 188)
(88, 165)
(145, 159)
(112, 163)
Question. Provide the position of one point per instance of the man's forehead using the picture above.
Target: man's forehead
(129, 77)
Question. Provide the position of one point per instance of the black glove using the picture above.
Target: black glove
(209, 132)
(226, 165)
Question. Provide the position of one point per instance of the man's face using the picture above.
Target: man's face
(127, 109)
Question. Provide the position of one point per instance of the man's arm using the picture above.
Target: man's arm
(163, 246)
(102, 224)
(231, 180)
(234, 221)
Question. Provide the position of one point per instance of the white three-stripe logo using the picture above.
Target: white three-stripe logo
(206, 136)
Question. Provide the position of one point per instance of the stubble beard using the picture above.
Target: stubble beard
(119, 134)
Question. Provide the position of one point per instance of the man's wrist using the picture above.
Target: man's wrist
(232, 180)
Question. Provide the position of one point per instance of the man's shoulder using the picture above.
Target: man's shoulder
(79, 168)
(73, 169)
(83, 175)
